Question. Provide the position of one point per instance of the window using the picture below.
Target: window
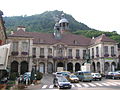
(49, 51)
(24, 46)
(106, 49)
(60, 52)
(97, 51)
(15, 46)
(77, 52)
(84, 54)
(92, 52)
(69, 52)
(41, 51)
(34, 51)
(112, 51)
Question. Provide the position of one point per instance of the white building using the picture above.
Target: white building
(50, 52)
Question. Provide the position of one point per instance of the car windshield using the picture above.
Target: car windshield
(61, 79)
(87, 73)
(73, 76)
(97, 74)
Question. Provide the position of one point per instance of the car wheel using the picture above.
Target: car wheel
(100, 79)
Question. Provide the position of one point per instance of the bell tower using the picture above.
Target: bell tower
(64, 24)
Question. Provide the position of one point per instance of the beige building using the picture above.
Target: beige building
(60, 50)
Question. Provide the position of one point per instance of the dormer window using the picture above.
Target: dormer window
(75, 42)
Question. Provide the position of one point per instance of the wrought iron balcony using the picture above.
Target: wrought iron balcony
(106, 55)
(113, 55)
(24, 53)
(34, 56)
(41, 56)
(97, 55)
(49, 56)
(14, 53)
(77, 57)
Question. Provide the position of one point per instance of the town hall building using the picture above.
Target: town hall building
(61, 50)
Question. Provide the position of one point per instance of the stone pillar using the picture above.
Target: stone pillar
(46, 52)
(19, 65)
(73, 67)
(30, 64)
(46, 68)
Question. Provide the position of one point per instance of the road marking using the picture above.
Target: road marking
(78, 85)
(73, 85)
(85, 85)
(93, 85)
(44, 86)
(117, 83)
(98, 84)
(105, 84)
(51, 86)
(112, 83)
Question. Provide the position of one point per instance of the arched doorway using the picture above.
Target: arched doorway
(70, 67)
(93, 67)
(50, 67)
(77, 67)
(60, 66)
(42, 67)
(14, 66)
(98, 67)
(113, 66)
(106, 67)
(23, 67)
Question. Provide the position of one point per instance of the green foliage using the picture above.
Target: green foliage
(13, 75)
(95, 33)
(41, 22)
(39, 75)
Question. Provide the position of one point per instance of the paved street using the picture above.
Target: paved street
(47, 83)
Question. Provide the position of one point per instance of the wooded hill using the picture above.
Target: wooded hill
(45, 23)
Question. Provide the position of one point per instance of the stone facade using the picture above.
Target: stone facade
(49, 53)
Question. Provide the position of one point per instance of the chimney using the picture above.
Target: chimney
(21, 28)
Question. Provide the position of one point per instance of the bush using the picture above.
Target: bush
(39, 75)
(13, 75)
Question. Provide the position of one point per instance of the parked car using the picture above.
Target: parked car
(96, 76)
(61, 82)
(57, 74)
(84, 75)
(73, 78)
(113, 75)
(65, 73)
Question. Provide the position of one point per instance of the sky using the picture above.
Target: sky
(102, 15)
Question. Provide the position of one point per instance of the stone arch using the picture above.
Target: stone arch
(14, 66)
(50, 67)
(106, 67)
(42, 67)
(93, 67)
(60, 66)
(23, 67)
(77, 67)
(113, 66)
(98, 67)
(70, 67)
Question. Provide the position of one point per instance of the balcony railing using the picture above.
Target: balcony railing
(41, 56)
(49, 56)
(106, 55)
(34, 56)
(97, 55)
(77, 57)
(70, 57)
(14, 53)
(24, 53)
(113, 55)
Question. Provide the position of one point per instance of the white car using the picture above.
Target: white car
(96, 76)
